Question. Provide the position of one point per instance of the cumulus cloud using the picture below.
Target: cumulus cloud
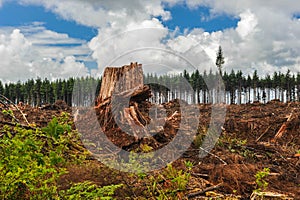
(54, 45)
(28, 56)
(53, 69)
(266, 38)
(150, 43)
(102, 13)
(247, 24)
(235, 7)
(111, 44)
(13, 49)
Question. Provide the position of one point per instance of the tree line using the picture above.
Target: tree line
(39, 92)
(239, 88)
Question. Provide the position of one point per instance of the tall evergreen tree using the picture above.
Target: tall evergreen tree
(220, 60)
(37, 91)
(239, 81)
(287, 85)
(255, 82)
(298, 86)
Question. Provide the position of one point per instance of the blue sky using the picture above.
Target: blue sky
(187, 18)
(14, 14)
(76, 38)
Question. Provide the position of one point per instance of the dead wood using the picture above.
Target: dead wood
(123, 98)
(282, 129)
(262, 195)
(263, 133)
(214, 187)
(16, 124)
(14, 105)
(119, 80)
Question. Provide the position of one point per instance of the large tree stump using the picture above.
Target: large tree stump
(120, 79)
(123, 100)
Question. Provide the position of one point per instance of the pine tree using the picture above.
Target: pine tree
(239, 81)
(220, 60)
(268, 86)
(232, 86)
(298, 86)
(37, 92)
(255, 82)
(19, 92)
(287, 85)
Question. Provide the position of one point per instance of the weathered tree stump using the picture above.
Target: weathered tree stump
(119, 80)
(122, 100)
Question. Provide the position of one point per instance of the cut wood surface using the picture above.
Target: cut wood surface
(120, 79)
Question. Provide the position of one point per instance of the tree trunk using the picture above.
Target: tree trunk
(298, 92)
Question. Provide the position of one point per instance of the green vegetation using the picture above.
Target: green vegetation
(169, 184)
(32, 160)
(201, 133)
(261, 182)
(25, 170)
(88, 190)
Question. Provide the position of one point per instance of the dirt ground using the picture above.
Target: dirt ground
(254, 136)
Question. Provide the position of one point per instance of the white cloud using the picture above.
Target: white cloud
(26, 56)
(13, 49)
(110, 45)
(253, 44)
(247, 24)
(152, 45)
(55, 45)
(235, 7)
(65, 68)
(266, 37)
(101, 13)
